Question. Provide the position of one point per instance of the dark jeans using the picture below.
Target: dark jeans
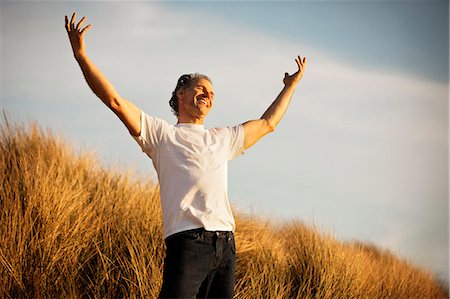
(199, 264)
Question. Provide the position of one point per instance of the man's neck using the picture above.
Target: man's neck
(188, 120)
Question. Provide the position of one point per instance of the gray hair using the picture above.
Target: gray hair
(184, 81)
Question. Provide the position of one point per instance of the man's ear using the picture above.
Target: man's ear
(180, 94)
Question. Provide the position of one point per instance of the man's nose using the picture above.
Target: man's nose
(209, 94)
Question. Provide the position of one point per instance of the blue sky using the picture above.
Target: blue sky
(362, 150)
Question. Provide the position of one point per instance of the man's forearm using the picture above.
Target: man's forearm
(256, 129)
(98, 83)
(277, 109)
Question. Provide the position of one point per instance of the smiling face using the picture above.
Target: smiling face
(195, 101)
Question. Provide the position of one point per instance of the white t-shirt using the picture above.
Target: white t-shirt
(192, 167)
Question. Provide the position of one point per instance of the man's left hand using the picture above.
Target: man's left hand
(295, 77)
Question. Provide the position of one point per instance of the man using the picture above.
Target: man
(191, 163)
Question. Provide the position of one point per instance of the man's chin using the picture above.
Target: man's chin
(203, 111)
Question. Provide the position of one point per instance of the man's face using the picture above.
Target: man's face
(196, 100)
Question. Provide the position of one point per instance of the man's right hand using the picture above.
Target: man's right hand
(76, 35)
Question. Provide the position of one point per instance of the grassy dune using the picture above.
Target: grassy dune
(70, 228)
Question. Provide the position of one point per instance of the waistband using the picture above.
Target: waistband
(204, 232)
(218, 233)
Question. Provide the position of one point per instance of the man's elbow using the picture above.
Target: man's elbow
(115, 104)
(269, 126)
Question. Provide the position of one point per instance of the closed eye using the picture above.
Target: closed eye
(204, 89)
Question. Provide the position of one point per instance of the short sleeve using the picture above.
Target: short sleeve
(236, 141)
(152, 130)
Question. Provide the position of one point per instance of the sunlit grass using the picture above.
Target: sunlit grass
(70, 228)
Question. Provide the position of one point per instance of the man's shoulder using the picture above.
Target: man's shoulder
(155, 126)
(150, 119)
(226, 128)
(219, 130)
(229, 132)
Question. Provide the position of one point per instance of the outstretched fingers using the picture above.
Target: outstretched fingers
(301, 62)
(85, 29)
(295, 77)
(70, 25)
(72, 21)
(80, 23)
(67, 25)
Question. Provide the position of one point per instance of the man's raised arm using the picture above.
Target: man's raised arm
(128, 113)
(256, 129)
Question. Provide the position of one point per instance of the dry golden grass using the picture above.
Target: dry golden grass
(70, 228)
